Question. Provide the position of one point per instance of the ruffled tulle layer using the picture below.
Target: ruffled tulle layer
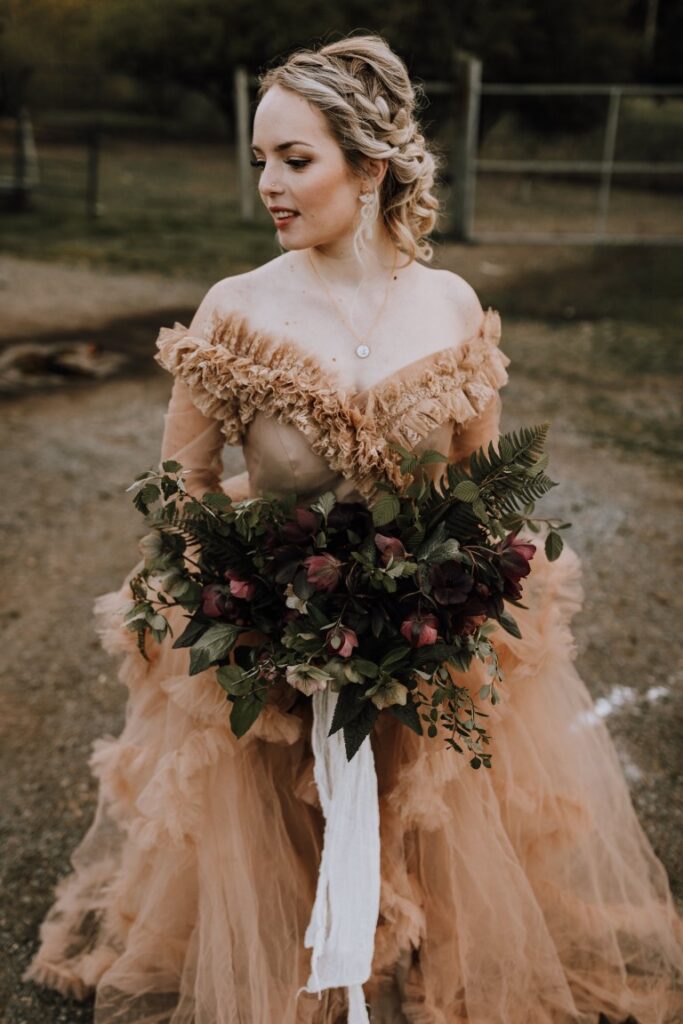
(524, 894)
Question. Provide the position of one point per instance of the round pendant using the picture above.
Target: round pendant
(362, 351)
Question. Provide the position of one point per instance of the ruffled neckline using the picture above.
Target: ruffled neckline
(236, 371)
(267, 344)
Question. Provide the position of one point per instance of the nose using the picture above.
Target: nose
(268, 184)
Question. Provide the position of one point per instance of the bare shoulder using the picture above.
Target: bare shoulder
(233, 294)
(462, 300)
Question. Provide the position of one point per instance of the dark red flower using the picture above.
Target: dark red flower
(514, 563)
(323, 571)
(214, 601)
(239, 587)
(390, 548)
(304, 525)
(451, 583)
(420, 630)
(472, 622)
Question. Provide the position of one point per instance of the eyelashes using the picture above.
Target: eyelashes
(296, 164)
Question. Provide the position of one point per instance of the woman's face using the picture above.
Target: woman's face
(303, 170)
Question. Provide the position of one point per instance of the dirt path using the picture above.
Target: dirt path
(71, 534)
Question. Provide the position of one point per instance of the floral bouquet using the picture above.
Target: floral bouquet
(384, 603)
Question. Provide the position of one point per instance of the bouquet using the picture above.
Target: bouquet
(386, 603)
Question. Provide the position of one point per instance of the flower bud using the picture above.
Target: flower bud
(420, 631)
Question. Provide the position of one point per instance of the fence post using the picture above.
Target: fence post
(241, 81)
(26, 174)
(466, 106)
(607, 161)
(92, 188)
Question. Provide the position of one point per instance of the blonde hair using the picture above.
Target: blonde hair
(364, 90)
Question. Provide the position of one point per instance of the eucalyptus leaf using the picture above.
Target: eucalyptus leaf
(553, 545)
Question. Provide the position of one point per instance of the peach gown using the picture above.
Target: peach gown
(523, 894)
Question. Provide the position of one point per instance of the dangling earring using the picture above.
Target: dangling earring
(369, 209)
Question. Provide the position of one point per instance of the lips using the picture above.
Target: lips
(282, 215)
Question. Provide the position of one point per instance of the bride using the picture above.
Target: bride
(527, 893)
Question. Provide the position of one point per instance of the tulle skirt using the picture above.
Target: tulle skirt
(527, 893)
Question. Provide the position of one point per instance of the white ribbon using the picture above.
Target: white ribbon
(343, 921)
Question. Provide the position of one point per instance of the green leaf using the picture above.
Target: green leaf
(171, 466)
(553, 545)
(385, 509)
(509, 624)
(212, 646)
(347, 707)
(235, 680)
(430, 457)
(366, 668)
(407, 714)
(539, 465)
(214, 500)
(394, 658)
(446, 552)
(324, 504)
(245, 711)
(359, 728)
(193, 630)
(467, 491)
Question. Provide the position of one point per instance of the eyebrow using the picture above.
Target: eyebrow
(286, 145)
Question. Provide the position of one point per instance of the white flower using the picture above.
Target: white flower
(292, 601)
(307, 678)
(390, 693)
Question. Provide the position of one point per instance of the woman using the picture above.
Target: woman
(523, 894)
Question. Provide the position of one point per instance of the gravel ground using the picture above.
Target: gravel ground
(71, 534)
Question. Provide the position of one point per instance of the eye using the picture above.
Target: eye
(297, 164)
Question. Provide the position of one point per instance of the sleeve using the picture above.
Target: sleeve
(198, 423)
(194, 440)
(476, 432)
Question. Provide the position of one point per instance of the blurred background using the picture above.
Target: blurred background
(124, 194)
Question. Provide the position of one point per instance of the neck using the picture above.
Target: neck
(339, 262)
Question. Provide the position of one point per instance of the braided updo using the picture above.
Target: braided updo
(364, 90)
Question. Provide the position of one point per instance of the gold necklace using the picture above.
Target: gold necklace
(362, 349)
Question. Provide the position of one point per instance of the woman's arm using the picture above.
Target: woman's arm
(191, 438)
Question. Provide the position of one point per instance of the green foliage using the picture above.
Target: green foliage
(374, 603)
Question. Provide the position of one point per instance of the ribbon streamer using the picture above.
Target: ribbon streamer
(343, 921)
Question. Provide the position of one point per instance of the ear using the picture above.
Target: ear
(375, 171)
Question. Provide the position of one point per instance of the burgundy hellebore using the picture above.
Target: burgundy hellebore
(390, 548)
(238, 587)
(451, 583)
(214, 601)
(302, 527)
(323, 571)
(514, 563)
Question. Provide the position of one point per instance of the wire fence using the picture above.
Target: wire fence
(617, 180)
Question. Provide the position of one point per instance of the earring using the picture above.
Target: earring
(369, 208)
